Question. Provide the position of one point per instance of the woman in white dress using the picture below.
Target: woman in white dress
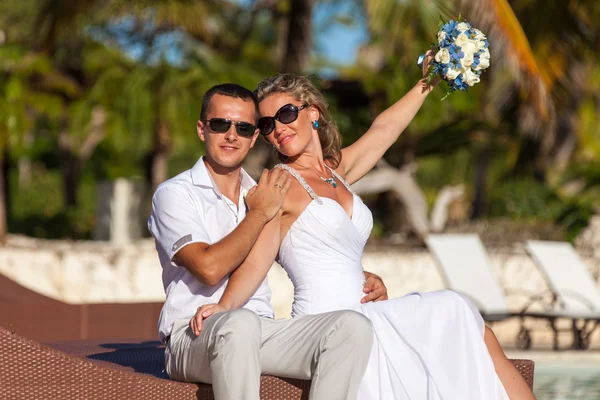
(427, 345)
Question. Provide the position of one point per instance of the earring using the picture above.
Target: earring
(315, 124)
(275, 147)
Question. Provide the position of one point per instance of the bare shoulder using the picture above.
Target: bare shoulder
(296, 199)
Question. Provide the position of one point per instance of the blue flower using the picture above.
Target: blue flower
(450, 29)
(441, 69)
(446, 42)
(458, 83)
(455, 53)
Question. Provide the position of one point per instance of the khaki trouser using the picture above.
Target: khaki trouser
(235, 347)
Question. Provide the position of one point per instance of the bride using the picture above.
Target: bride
(427, 345)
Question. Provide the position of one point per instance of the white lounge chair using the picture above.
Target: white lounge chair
(576, 292)
(466, 268)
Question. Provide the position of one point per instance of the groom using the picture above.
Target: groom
(212, 219)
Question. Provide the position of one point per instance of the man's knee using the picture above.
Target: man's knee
(239, 321)
(356, 327)
(238, 325)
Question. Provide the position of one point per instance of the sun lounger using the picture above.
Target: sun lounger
(466, 268)
(44, 319)
(577, 295)
(123, 370)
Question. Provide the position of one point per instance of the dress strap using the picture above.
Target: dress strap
(300, 180)
(339, 178)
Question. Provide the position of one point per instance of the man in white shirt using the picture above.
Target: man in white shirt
(209, 220)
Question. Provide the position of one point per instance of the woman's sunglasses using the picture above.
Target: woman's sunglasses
(222, 125)
(286, 115)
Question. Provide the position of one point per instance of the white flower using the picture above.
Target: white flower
(452, 73)
(467, 60)
(463, 26)
(469, 48)
(484, 60)
(461, 40)
(470, 77)
(479, 35)
(443, 56)
(483, 64)
(480, 44)
(441, 36)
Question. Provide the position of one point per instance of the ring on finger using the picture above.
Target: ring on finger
(278, 185)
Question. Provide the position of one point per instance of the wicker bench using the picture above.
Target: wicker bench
(118, 369)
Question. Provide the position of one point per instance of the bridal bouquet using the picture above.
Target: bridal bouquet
(461, 55)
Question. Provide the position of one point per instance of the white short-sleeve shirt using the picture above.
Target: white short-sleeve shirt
(189, 208)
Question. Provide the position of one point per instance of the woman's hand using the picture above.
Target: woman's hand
(202, 313)
(425, 67)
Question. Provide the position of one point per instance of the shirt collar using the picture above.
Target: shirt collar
(201, 177)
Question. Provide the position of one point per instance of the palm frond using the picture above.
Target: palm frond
(510, 47)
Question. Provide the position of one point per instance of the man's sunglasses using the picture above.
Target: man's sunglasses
(222, 125)
(286, 115)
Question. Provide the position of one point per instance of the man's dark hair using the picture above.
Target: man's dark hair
(231, 90)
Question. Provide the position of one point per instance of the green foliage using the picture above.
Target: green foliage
(525, 199)
(38, 209)
(91, 61)
(530, 200)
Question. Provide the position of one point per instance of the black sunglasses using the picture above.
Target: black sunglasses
(286, 115)
(222, 125)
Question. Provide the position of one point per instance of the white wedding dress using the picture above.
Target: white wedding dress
(427, 345)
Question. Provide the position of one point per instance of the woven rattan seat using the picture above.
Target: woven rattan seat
(121, 369)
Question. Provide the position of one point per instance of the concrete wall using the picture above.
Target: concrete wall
(96, 272)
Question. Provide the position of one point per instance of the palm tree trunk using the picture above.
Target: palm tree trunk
(71, 167)
(566, 138)
(159, 158)
(299, 37)
(479, 204)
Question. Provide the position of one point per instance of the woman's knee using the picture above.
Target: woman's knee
(453, 299)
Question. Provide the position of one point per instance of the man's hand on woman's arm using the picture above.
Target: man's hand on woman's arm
(211, 263)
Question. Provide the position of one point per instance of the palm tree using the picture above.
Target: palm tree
(299, 36)
(26, 93)
(538, 100)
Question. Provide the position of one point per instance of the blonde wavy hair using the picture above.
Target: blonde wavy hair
(306, 92)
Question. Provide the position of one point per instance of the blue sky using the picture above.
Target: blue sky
(335, 41)
(338, 42)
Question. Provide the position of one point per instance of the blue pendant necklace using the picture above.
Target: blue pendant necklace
(331, 180)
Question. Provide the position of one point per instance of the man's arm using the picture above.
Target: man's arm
(211, 263)
(184, 237)
(245, 280)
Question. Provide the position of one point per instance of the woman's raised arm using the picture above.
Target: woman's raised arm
(360, 157)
